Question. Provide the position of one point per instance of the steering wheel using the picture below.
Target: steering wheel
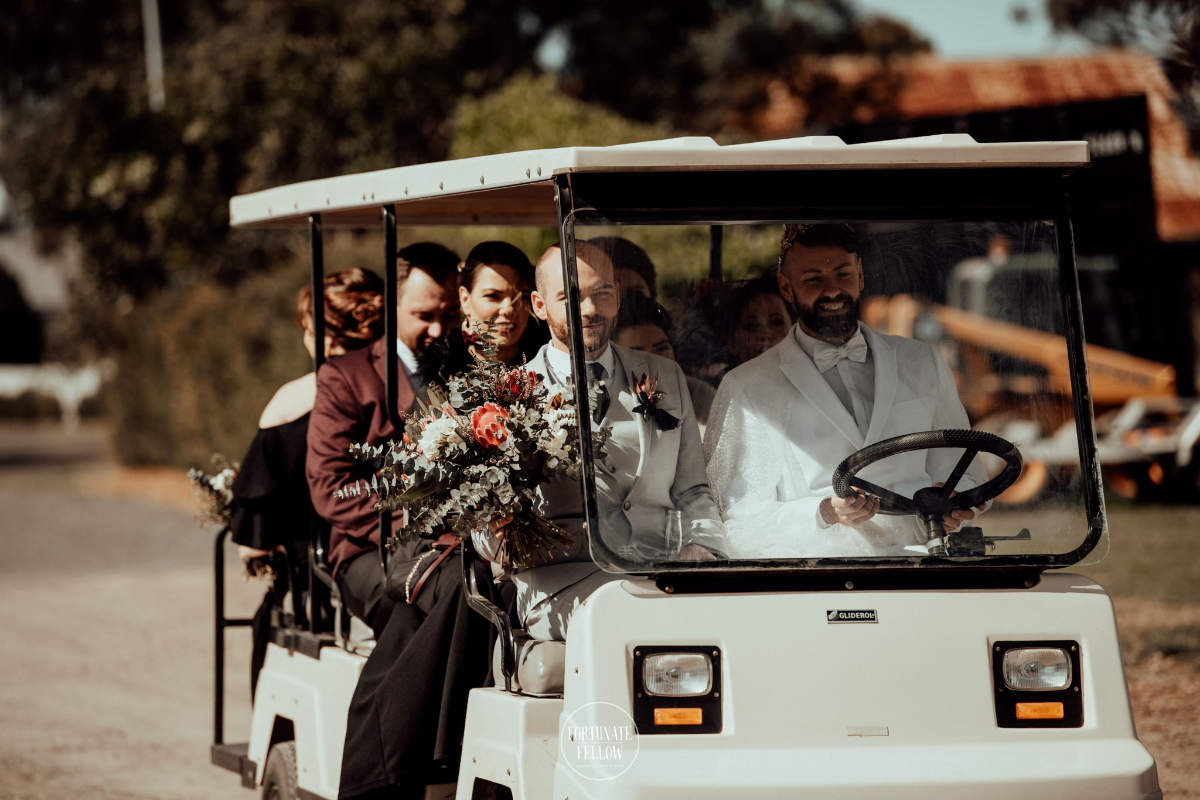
(932, 503)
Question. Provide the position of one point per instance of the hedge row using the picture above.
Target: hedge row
(198, 367)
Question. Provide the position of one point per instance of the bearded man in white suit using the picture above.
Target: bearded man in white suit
(650, 468)
(782, 422)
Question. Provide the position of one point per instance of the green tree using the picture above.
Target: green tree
(258, 93)
(1168, 29)
(265, 92)
(703, 66)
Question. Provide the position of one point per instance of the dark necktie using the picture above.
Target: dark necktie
(596, 379)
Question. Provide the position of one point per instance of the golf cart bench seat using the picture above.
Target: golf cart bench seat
(540, 665)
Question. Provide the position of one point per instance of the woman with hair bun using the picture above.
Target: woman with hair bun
(494, 282)
(273, 512)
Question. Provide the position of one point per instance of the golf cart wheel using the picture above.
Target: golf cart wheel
(279, 778)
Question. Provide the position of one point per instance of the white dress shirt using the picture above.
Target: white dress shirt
(560, 362)
(409, 359)
(853, 382)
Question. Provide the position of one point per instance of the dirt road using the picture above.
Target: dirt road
(106, 618)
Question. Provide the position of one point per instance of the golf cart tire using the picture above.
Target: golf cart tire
(279, 778)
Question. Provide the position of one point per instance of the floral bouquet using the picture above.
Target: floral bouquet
(474, 456)
(215, 489)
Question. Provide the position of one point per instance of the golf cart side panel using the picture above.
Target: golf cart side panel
(510, 740)
(314, 695)
(904, 703)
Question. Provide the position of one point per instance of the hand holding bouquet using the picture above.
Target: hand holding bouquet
(475, 455)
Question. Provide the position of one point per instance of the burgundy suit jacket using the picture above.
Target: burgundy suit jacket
(351, 407)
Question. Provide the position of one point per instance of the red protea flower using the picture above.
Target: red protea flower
(487, 425)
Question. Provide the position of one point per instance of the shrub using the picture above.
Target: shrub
(200, 364)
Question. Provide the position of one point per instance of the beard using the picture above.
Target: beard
(597, 332)
(830, 327)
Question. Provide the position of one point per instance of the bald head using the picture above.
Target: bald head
(549, 266)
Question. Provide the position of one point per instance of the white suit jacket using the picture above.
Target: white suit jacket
(670, 474)
(777, 431)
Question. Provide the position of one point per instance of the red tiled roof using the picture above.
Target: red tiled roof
(930, 87)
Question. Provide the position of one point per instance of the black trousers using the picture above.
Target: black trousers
(405, 725)
(361, 583)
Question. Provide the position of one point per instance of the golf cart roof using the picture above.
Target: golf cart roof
(517, 188)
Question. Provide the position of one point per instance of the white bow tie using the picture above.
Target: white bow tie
(826, 356)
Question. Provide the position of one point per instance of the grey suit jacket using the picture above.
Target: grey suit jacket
(670, 475)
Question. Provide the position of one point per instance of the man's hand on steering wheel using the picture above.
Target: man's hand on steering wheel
(852, 511)
(958, 516)
(940, 508)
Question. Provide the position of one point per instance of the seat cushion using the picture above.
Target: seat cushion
(540, 665)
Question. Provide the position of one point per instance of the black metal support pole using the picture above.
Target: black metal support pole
(391, 299)
(587, 476)
(490, 611)
(219, 637)
(1072, 307)
(316, 241)
(716, 237)
(220, 623)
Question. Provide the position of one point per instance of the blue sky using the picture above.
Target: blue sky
(959, 29)
(964, 29)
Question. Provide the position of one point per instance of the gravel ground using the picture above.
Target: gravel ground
(106, 610)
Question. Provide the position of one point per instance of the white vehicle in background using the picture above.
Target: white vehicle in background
(971, 666)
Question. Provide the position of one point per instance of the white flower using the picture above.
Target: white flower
(223, 480)
(439, 434)
(555, 444)
(558, 419)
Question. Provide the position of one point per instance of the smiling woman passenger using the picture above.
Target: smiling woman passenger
(493, 292)
(760, 318)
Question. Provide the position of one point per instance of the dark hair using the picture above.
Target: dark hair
(438, 261)
(495, 252)
(353, 305)
(637, 309)
(820, 235)
(742, 295)
(625, 254)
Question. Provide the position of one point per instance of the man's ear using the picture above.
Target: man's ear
(538, 305)
(785, 287)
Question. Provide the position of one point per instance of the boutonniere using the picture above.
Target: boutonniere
(645, 389)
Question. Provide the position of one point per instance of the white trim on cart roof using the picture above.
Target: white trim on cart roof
(516, 188)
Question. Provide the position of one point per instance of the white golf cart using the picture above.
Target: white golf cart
(944, 663)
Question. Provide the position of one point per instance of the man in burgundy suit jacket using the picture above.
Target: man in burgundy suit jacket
(351, 407)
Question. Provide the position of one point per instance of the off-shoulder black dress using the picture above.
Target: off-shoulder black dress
(272, 508)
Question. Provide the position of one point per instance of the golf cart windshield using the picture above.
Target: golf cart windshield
(812, 393)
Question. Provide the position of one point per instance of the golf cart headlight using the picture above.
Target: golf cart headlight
(677, 674)
(1036, 669)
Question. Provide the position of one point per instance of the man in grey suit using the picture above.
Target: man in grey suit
(649, 470)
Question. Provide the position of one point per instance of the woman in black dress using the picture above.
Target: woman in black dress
(405, 725)
(273, 518)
